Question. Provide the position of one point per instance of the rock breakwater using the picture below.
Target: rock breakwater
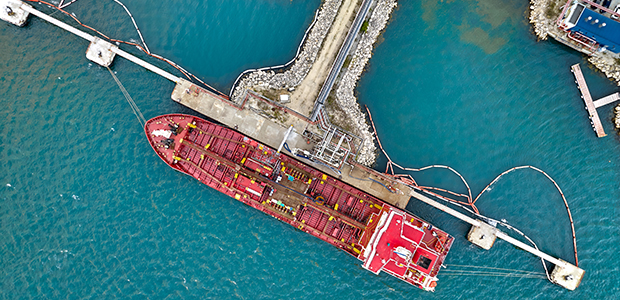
(266, 78)
(539, 18)
(345, 96)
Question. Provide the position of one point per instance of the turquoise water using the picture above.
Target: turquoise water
(89, 211)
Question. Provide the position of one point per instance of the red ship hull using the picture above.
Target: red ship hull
(383, 237)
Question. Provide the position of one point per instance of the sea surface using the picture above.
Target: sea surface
(88, 211)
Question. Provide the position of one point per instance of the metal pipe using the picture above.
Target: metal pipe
(288, 132)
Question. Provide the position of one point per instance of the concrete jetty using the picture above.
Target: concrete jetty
(312, 140)
(99, 51)
(251, 119)
(330, 149)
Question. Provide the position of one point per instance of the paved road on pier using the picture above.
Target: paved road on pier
(339, 61)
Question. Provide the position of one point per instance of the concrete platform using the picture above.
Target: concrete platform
(12, 12)
(243, 120)
(101, 52)
(482, 236)
(567, 276)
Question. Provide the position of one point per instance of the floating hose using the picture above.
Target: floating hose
(570, 216)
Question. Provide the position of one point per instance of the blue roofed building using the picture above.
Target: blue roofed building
(592, 29)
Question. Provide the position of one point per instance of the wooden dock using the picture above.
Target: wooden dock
(587, 98)
(607, 100)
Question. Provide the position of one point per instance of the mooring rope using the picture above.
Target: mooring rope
(134, 106)
(490, 268)
(491, 274)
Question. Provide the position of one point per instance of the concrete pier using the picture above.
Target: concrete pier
(97, 45)
(12, 12)
(251, 117)
(101, 52)
(564, 274)
(243, 120)
(250, 120)
(276, 126)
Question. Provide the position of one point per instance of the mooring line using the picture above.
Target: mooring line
(134, 106)
(491, 274)
(490, 268)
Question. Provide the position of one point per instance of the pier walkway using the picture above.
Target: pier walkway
(587, 98)
(607, 100)
(247, 118)
(483, 235)
(103, 45)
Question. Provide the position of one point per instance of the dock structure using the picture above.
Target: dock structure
(607, 100)
(12, 12)
(587, 99)
(248, 118)
(99, 51)
(295, 132)
(483, 235)
(243, 120)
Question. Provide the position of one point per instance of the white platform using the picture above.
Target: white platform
(101, 52)
(12, 12)
(482, 236)
(568, 276)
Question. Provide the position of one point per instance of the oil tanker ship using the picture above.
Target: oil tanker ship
(383, 237)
